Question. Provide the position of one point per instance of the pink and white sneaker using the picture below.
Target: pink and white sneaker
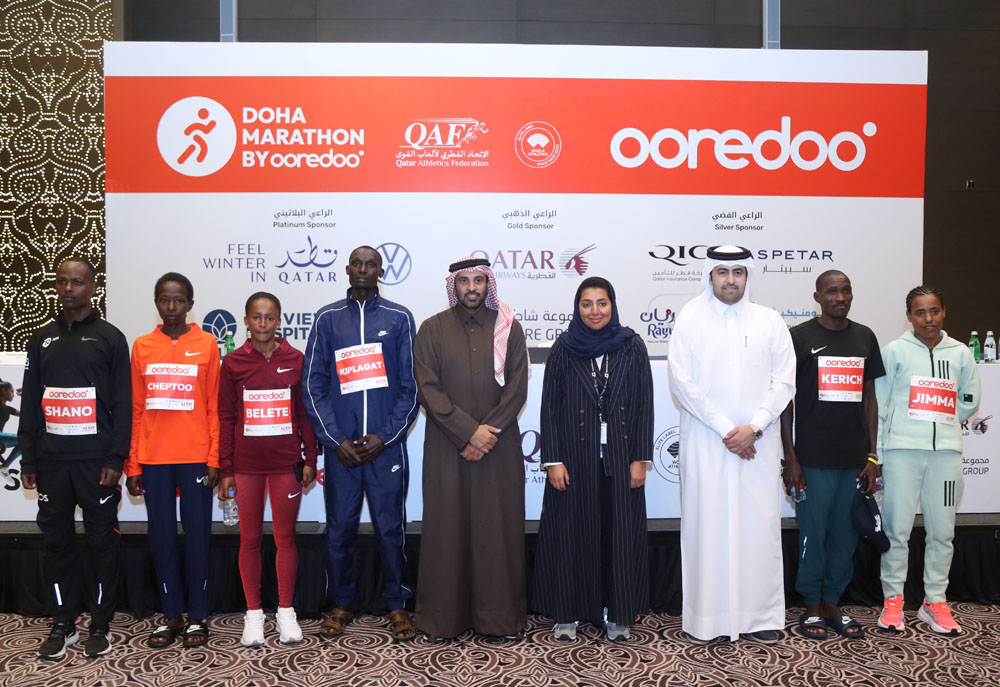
(892, 613)
(938, 616)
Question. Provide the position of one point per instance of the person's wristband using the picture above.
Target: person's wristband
(873, 458)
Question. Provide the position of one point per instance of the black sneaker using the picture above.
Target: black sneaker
(99, 642)
(61, 636)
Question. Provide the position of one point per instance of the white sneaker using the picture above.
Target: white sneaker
(564, 632)
(617, 633)
(289, 631)
(253, 628)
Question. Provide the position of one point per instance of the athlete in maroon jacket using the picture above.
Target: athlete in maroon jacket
(264, 431)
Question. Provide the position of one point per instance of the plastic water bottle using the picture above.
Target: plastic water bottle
(989, 348)
(974, 346)
(230, 343)
(230, 512)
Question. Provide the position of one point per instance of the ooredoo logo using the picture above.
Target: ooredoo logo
(68, 394)
(538, 144)
(196, 136)
(266, 396)
(631, 147)
(843, 362)
(934, 384)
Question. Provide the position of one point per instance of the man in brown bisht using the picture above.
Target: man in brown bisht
(471, 365)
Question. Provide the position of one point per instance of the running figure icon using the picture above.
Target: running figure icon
(195, 129)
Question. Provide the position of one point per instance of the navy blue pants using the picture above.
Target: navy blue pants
(62, 484)
(161, 483)
(383, 481)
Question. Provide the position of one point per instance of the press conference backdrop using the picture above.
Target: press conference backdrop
(259, 167)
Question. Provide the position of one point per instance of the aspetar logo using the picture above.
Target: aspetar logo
(196, 136)
(734, 149)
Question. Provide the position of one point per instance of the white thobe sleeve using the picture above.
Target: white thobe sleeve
(782, 388)
(686, 391)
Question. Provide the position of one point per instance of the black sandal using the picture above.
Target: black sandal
(195, 635)
(163, 636)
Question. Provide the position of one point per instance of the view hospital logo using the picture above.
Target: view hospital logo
(196, 136)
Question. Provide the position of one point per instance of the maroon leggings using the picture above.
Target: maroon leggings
(286, 494)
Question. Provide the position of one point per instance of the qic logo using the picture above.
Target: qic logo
(674, 254)
(396, 263)
(196, 136)
(538, 144)
(732, 147)
(220, 323)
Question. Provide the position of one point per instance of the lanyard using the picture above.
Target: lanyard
(600, 388)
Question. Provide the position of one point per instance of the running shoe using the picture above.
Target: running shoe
(892, 613)
(61, 636)
(938, 616)
(99, 642)
(253, 628)
(289, 631)
(564, 632)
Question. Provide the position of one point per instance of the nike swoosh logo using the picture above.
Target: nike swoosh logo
(106, 499)
(817, 350)
(87, 338)
(285, 369)
(292, 496)
(396, 467)
(383, 333)
(200, 480)
(191, 353)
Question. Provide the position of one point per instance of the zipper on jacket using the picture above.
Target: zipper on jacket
(933, 424)
(364, 392)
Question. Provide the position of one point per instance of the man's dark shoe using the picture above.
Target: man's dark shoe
(99, 642)
(61, 636)
(762, 636)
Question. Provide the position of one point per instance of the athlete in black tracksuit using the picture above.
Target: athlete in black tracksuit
(77, 460)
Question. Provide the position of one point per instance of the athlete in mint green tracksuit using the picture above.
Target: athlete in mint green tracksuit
(931, 386)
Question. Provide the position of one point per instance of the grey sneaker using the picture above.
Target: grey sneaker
(61, 636)
(564, 632)
(617, 633)
(99, 642)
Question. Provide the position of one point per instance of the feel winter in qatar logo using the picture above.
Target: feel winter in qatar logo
(196, 136)
(538, 144)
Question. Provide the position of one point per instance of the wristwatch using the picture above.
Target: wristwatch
(757, 432)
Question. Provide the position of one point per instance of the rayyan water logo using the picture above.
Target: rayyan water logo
(196, 136)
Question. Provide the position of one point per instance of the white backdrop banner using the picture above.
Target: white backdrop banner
(260, 166)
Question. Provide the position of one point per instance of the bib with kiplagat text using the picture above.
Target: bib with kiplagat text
(170, 386)
(360, 367)
(267, 412)
(932, 399)
(70, 412)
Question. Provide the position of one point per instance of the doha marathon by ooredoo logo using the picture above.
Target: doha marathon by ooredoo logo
(196, 136)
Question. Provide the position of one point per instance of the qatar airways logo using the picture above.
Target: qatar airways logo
(734, 149)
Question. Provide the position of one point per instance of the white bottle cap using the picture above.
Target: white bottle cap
(974, 333)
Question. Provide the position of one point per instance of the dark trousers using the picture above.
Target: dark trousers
(383, 481)
(62, 485)
(161, 483)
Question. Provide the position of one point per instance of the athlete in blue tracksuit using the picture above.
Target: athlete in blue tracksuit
(361, 397)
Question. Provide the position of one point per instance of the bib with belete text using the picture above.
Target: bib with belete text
(840, 378)
(360, 367)
(933, 399)
(267, 412)
(70, 412)
(170, 386)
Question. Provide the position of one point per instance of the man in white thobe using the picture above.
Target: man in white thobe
(732, 372)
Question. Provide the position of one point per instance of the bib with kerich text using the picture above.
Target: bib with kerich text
(840, 378)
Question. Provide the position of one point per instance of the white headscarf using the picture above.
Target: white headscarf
(730, 256)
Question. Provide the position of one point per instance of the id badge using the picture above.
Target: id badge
(604, 433)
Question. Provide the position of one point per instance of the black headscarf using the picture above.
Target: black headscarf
(589, 343)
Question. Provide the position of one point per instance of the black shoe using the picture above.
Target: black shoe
(762, 636)
(99, 642)
(61, 636)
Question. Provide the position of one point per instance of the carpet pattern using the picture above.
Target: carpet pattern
(365, 656)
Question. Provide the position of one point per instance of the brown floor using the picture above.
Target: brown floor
(657, 655)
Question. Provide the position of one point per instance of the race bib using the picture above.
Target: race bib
(70, 412)
(360, 367)
(840, 378)
(932, 399)
(267, 412)
(170, 386)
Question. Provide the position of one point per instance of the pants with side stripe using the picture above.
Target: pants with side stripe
(62, 484)
(935, 478)
(161, 483)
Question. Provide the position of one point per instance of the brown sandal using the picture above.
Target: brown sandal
(401, 626)
(335, 623)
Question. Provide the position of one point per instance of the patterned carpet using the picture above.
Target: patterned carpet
(366, 657)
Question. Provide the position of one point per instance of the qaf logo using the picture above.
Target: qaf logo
(396, 262)
(572, 262)
(538, 144)
(666, 450)
(196, 136)
(444, 132)
(220, 323)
